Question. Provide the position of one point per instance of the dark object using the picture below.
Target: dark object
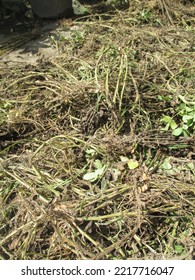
(52, 8)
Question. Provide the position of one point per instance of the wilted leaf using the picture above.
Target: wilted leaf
(124, 159)
(116, 173)
(144, 177)
(144, 188)
(132, 164)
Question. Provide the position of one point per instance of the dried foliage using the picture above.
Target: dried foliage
(86, 169)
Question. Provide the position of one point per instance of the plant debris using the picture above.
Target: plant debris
(90, 164)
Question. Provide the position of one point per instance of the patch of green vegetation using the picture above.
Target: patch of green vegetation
(185, 114)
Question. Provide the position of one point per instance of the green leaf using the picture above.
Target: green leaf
(178, 146)
(185, 133)
(90, 152)
(169, 123)
(179, 249)
(166, 119)
(164, 98)
(185, 127)
(100, 171)
(186, 118)
(97, 164)
(166, 128)
(178, 131)
(189, 109)
(166, 165)
(132, 164)
(191, 166)
(91, 176)
(173, 124)
(192, 114)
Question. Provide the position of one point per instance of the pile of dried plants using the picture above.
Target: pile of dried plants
(97, 144)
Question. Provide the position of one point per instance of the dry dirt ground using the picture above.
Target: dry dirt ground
(39, 43)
